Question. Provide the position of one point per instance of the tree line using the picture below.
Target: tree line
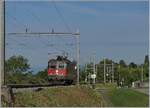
(17, 71)
(123, 73)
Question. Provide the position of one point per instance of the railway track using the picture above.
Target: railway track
(31, 85)
(36, 88)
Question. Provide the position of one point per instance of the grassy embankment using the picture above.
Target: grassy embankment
(123, 97)
(128, 98)
(82, 96)
(61, 96)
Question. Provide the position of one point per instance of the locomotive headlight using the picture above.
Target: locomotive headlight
(56, 71)
(75, 67)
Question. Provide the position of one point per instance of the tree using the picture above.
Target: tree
(132, 65)
(108, 65)
(83, 74)
(15, 67)
(122, 63)
(41, 77)
(146, 60)
(146, 67)
(17, 64)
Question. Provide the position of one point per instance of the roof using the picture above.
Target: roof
(60, 58)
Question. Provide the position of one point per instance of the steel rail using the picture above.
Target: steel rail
(30, 85)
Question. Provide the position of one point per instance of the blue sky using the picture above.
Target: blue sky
(116, 30)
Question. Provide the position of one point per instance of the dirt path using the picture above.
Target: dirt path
(104, 94)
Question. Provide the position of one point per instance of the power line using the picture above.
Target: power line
(29, 13)
(19, 43)
(22, 44)
(61, 15)
(33, 14)
(16, 21)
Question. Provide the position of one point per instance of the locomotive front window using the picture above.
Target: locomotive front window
(61, 65)
(53, 66)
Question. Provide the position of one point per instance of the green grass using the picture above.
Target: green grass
(59, 97)
(128, 98)
(106, 86)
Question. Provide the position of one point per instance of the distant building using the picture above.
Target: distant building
(138, 84)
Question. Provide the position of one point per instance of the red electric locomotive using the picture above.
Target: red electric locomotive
(62, 70)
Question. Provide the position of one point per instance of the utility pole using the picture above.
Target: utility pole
(94, 70)
(112, 72)
(104, 70)
(119, 75)
(142, 74)
(2, 39)
(78, 56)
(76, 34)
(86, 75)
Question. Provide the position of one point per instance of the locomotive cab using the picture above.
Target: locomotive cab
(61, 69)
(57, 68)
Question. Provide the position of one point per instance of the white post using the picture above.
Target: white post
(2, 41)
